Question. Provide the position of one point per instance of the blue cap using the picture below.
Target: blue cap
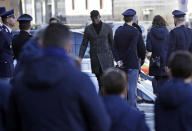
(2, 10)
(7, 14)
(129, 12)
(178, 13)
(25, 17)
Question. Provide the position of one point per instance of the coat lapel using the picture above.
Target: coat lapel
(95, 33)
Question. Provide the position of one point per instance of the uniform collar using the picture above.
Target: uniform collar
(25, 32)
(8, 28)
(126, 24)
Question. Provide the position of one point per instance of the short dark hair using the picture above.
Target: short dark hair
(159, 21)
(114, 81)
(180, 64)
(4, 19)
(54, 18)
(56, 34)
(128, 18)
(94, 13)
(24, 25)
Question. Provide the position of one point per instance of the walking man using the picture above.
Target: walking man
(100, 36)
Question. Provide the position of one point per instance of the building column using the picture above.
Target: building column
(23, 6)
(44, 11)
(33, 11)
(53, 8)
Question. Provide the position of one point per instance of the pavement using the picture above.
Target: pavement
(148, 109)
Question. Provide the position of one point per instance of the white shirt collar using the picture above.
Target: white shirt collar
(9, 29)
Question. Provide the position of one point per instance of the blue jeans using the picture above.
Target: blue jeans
(132, 75)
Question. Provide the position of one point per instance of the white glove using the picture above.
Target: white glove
(120, 63)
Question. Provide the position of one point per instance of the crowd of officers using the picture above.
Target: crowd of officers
(46, 91)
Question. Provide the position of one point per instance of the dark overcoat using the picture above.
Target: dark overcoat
(179, 39)
(173, 106)
(100, 47)
(6, 53)
(157, 43)
(60, 98)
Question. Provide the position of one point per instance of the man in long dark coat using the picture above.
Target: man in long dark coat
(100, 36)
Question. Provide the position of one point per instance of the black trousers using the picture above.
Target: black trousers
(99, 78)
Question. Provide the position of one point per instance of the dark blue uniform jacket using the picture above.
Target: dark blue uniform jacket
(173, 107)
(19, 41)
(6, 53)
(124, 117)
(53, 95)
(129, 46)
(180, 39)
(4, 96)
(157, 43)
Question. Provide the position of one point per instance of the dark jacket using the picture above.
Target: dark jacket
(53, 95)
(129, 46)
(6, 53)
(31, 50)
(173, 107)
(124, 117)
(18, 42)
(157, 43)
(4, 96)
(100, 47)
(179, 39)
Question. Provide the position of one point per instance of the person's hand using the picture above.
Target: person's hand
(166, 69)
(120, 63)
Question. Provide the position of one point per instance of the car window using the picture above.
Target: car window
(77, 39)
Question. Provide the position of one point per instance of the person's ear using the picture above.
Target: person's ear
(68, 46)
(125, 90)
(169, 72)
(40, 41)
(103, 92)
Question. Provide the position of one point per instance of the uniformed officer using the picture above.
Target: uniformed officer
(2, 10)
(128, 49)
(24, 35)
(180, 38)
(6, 52)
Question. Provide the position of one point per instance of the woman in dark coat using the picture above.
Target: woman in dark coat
(157, 44)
